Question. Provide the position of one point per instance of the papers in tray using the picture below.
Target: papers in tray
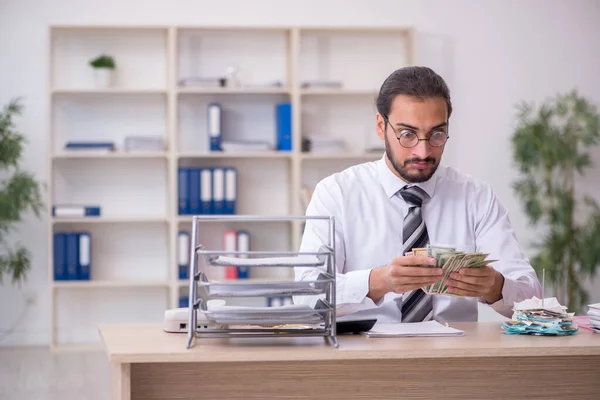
(283, 288)
(267, 261)
(297, 313)
(428, 328)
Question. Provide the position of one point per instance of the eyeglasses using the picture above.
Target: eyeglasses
(408, 138)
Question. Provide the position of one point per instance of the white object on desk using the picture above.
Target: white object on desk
(428, 328)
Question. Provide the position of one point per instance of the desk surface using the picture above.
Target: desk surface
(149, 344)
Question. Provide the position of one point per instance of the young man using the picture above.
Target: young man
(406, 200)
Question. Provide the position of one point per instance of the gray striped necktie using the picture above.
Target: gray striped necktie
(416, 305)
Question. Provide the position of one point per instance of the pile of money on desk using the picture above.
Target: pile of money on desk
(540, 317)
(450, 260)
(594, 316)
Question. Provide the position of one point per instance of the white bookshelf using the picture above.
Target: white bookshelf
(134, 275)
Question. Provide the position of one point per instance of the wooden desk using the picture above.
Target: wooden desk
(147, 363)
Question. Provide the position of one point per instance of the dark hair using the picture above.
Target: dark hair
(420, 82)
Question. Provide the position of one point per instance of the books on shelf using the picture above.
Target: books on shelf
(75, 211)
(283, 115)
(72, 256)
(207, 190)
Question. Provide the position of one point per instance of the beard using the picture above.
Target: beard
(402, 168)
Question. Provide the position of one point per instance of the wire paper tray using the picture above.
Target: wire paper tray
(297, 314)
(255, 289)
(250, 259)
(288, 320)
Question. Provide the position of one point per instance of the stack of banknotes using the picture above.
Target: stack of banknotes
(450, 260)
(541, 318)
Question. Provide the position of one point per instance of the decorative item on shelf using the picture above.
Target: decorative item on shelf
(75, 211)
(207, 190)
(232, 76)
(550, 148)
(104, 67)
(72, 255)
(20, 193)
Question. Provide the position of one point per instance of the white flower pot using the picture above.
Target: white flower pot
(103, 77)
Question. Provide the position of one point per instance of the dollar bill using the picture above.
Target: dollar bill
(450, 260)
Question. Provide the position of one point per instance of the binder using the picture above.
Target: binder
(229, 244)
(194, 191)
(74, 210)
(72, 256)
(230, 190)
(214, 126)
(183, 256)
(206, 188)
(218, 190)
(243, 244)
(84, 255)
(183, 301)
(60, 256)
(183, 191)
(283, 117)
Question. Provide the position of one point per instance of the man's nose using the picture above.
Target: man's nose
(422, 149)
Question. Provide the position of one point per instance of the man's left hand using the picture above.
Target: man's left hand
(483, 282)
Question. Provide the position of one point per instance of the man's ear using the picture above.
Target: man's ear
(380, 126)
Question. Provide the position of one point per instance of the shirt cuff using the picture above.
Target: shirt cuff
(510, 291)
(352, 290)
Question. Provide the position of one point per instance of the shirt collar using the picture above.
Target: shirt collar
(392, 183)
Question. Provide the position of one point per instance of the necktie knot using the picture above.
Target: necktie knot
(413, 195)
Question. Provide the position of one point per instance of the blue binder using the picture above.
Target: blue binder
(183, 191)
(183, 255)
(72, 255)
(283, 116)
(84, 255)
(206, 191)
(60, 256)
(194, 191)
(214, 126)
(218, 181)
(230, 190)
(243, 244)
(184, 301)
(68, 210)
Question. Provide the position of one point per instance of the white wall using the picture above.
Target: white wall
(492, 53)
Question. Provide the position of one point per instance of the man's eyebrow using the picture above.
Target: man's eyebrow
(415, 128)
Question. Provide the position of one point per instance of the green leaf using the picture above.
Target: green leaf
(15, 264)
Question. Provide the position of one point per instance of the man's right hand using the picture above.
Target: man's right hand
(401, 275)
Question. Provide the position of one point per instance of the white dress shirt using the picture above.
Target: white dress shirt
(460, 211)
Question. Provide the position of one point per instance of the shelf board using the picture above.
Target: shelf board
(75, 154)
(341, 156)
(93, 91)
(108, 220)
(249, 154)
(339, 92)
(233, 90)
(108, 284)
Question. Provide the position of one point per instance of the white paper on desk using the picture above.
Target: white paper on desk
(595, 306)
(273, 261)
(428, 328)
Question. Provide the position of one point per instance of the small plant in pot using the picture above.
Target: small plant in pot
(104, 66)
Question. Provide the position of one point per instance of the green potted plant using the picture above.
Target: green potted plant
(104, 67)
(19, 193)
(550, 148)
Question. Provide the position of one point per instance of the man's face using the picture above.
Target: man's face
(423, 118)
